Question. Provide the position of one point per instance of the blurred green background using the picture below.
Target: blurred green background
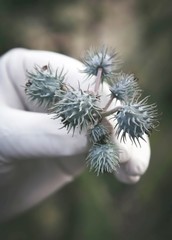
(98, 208)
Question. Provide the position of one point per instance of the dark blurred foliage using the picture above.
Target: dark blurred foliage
(156, 41)
(100, 207)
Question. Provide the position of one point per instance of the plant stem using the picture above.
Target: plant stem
(98, 80)
(110, 112)
(108, 103)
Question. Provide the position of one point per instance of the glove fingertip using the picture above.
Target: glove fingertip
(125, 178)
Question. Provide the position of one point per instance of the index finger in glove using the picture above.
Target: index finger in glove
(15, 64)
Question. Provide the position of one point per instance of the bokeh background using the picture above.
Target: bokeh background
(98, 208)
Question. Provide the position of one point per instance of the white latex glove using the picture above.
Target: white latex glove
(36, 157)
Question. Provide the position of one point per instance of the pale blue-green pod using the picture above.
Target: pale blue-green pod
(136, 119)
(102, 58)
(103, 158)
(98, 134)
(125, 88)
(44, 86)
(78, 109)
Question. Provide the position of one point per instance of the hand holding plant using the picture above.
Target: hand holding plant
(77, 108)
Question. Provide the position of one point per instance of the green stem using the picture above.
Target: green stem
(110, 112)
(98, 80)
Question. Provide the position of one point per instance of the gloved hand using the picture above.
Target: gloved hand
(36, 156)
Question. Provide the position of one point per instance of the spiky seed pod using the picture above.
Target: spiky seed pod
(98, 134)
(103, 158)
(107, 60)
(125, 88)
(136, 119)
(77, 108)
(43, 85)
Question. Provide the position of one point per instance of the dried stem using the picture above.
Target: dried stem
(98, 80)
(108, 103)
(110, 112)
